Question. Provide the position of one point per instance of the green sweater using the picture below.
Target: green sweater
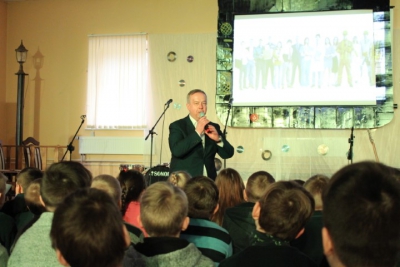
(33, 248)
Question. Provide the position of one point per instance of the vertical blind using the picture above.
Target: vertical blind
(117, 82)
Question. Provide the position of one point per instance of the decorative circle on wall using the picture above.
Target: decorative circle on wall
(253, 117)
(177, 106)
(226, 28)
(285, 148)
(240, 149)
(266, 155)
(171, 56)
(190, 59)
(182, 83)
(322, 149)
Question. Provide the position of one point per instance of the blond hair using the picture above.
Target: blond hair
(109, 184)
(257, 185)
(163, 209)
(316, 186)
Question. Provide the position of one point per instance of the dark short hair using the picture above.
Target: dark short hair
(27, 175)
(61, 179)
(132, 185)
(256, 185)
(202, 194)
(362, 214)
(285, 209)
(163, 208)
(87, 228)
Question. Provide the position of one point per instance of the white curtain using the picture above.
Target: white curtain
(117, 82)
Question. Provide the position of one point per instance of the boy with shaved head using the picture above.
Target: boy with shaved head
(362, 216)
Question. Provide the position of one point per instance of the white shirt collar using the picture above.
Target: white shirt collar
(193, 120)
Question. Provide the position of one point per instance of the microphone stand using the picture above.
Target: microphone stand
(151, 132)
(70, 147)
(224, 133)
(351, 141)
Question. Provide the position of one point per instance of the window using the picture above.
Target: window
(117, 82)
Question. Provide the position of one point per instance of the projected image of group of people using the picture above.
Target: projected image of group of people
(305, 62)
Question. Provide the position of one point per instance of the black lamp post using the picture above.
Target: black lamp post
(21, 53)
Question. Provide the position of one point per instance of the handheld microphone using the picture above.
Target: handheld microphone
(206, 126)
(83, 116)
(168, 102)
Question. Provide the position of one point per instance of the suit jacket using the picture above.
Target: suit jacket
(187, 149)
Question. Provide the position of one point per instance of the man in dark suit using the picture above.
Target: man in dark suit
(194, 140)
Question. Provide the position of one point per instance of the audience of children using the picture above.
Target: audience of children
(361, 216)
(99, 235)
(211, 239)
(133, 185)
(179, 178)
(164, 214)
(280, 216)
(310, 243)
(112, 187)
(33, 248)
(267, 223)
(230, 186)
(238, 220)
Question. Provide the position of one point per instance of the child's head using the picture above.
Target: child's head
(164, 210)
(361, 216)
(230, 186)
(61, 179)
(179, 178)
(110, 185)
(32, 197)
(25, 177)
(202, 194)
(283, 210)
(132, 185)
(316, 185)
(87, 230)
(256, 185)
